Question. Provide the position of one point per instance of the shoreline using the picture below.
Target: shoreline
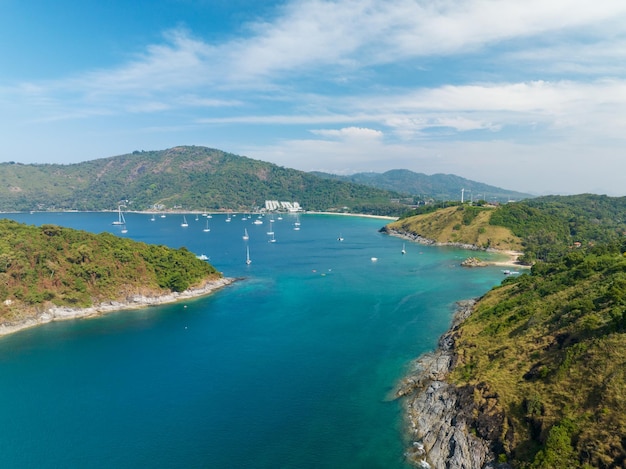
(512, 260)
(200, 212)
(438, 415)
(132, 302)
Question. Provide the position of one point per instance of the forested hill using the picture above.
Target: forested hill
(189, 177)
(435, 186)
(545, 228)
(543, 356)
(49, 266)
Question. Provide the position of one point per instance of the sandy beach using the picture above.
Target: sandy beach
(64, 313)
(512, 260)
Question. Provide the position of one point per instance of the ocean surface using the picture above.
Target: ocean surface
(289, 367)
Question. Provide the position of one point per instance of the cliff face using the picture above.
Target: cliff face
(447, 426)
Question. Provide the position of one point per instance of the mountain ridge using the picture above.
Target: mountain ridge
(188, 177)
(438, 186)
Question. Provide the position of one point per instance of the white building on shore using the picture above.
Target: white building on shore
(273, 205)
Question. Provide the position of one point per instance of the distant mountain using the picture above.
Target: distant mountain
(187, 177)
(437, 186)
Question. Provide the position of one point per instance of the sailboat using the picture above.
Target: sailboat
(248, 261)
(403, 250)
(152, 218)
(340, 238)
(120, 217)
(245, 234)
(124, 229)
(271, 231)
(184, 224)
(296, 225)
(272, 239)
(207, 229)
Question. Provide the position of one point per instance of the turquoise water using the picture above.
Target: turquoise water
(290, 367)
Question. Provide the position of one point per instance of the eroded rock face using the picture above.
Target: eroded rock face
(447, 426)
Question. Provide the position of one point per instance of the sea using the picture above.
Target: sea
(291, 366)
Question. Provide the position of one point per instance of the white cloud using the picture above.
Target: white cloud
(349, 133)
(296, 68)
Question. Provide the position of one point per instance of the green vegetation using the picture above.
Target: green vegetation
(424, 187)
(552, 346)
(50, 265)
(550, 226)
(459, 224)
(547, 350)
(195, 178)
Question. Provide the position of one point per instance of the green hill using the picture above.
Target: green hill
(459, 224)
(194, 178)
(436, 186)
(542, 357)
(47, 266)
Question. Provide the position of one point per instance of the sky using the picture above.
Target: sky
(524, 95)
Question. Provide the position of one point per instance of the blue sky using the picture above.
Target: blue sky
(529, 95)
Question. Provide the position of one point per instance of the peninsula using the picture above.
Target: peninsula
(531, 374)
(51, 273)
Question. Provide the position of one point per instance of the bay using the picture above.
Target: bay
(291, 366)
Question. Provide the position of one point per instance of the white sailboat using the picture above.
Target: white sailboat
(272, 239)
(271, 231)
(184, 224)
(248, 261)
(403, 250)
(120, 217)
(245, 234)
(296, 225)
(206, 228)
(340, 238)
(152, 218)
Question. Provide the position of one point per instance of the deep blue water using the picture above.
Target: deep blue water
(290, 367)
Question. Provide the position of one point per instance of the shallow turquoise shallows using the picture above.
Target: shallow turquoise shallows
(289, 367)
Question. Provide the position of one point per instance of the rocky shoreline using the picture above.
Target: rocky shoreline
(63, 313)
(446, 428)
(471, 247)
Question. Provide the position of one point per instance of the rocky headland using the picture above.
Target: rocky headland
(132, 301)
(414, 237)
(446, 427)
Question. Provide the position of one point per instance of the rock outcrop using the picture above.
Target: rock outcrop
(473, 262)
(447, 427)
(134, 301)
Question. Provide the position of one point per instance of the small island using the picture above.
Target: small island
(51, 273)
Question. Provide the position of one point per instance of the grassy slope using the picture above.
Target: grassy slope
(544, 355)
(460, 225)
(551, 347)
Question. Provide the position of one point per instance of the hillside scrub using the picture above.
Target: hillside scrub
(460, 224)
(552, 347)
(543, 355)
(55, 266)
(196, 178)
